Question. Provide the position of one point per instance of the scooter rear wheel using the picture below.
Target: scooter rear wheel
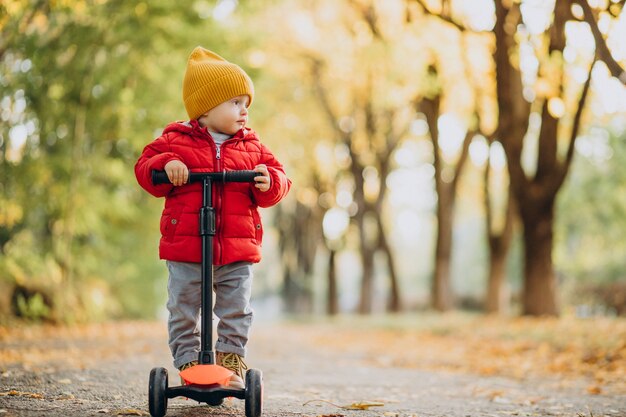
(254, 393)
(157, 400)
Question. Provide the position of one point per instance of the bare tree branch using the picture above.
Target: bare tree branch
(513, 109)
(395, 135)
(333, 119)
(443, 16)
(369, 16)
(603, 50)
(463, 157)
(575, 128)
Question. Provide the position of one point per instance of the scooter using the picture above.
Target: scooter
(206, 382)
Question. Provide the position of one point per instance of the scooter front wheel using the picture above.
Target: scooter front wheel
(157, 398)
(254, 393)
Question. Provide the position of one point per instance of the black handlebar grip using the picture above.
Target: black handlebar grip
(240, 176)
(160, 177)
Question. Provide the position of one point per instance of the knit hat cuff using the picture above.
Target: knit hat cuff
(218, 91)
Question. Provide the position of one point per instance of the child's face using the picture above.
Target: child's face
(228, 117)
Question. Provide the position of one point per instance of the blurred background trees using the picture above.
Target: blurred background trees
(444, 154)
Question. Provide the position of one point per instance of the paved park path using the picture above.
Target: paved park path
(102, 370)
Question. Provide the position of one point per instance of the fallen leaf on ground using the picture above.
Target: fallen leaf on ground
(594, 389)
(366, 405)
(493, 394)
(129, 412)
(533, 400)
(363, 405)
(15, 393)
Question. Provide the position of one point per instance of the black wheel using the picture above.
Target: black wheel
(254, 393)
(156, 392)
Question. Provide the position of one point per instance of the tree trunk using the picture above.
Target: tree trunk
(300, 233)
(539, 296)
(497, 294)
(394, 304)
(497, 300)
(332, 307)
(367, 265)
(442, 298)
(366, 243)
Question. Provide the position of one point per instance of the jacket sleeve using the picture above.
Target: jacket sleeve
(280, 184)
(154, 157)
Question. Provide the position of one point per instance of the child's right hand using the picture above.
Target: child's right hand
(177, 172)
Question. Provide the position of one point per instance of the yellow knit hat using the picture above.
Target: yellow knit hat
(211, 80)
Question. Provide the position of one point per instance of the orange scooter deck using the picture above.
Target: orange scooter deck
(206, 375)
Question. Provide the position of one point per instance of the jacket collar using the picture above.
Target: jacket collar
(193, 128)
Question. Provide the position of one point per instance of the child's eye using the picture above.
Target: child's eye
(236, 102)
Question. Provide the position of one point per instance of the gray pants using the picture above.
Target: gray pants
(232, 284)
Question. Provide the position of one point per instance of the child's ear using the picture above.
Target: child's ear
(202, 116)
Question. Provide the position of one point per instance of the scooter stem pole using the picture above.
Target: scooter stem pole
(207, 231)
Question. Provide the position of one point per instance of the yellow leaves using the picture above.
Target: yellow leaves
(594, 389)
(519, 348)
(556, 107)
(543, 88)
(10, 214)
(15, 393)
(364, 405)
(110, 340)
(65, 57)
(56, 91)
(40, 23)
(141, 9)
(129, 412)
(550, 76)
(123, 412)
(488, 370)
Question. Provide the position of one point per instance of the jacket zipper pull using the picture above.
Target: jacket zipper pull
(217, 152)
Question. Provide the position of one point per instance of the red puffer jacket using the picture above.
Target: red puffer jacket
(238, 223)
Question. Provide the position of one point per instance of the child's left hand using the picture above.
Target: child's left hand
(264, 181)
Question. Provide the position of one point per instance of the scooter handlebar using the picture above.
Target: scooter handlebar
(160, 177)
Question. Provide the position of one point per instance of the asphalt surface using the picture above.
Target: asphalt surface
(103, 371)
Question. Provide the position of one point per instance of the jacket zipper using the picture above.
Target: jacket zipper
(218, 154)
(220, 195)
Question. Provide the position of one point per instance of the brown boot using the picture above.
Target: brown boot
(235, 363)
(186, 366)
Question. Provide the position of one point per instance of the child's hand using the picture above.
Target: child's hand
(264, 181)
(177, 172)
